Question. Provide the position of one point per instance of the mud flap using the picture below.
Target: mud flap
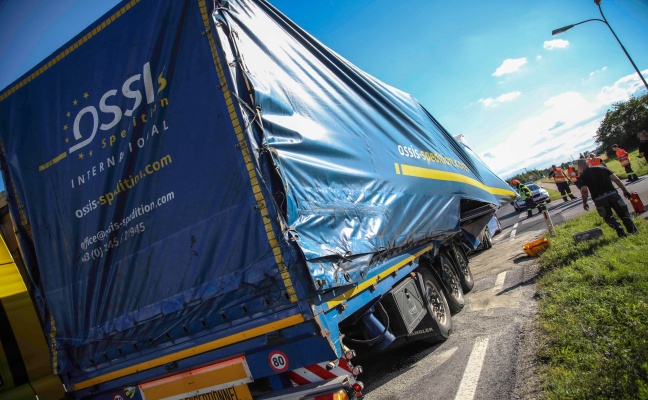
(428, 327)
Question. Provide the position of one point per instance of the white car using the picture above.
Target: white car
(486, 238)
(539, 196)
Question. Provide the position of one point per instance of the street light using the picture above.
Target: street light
(598, 3)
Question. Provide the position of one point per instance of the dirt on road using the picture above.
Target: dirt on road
(508, 255)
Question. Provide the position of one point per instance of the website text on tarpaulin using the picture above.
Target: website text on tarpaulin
(122, 186)
(430, 157)
(137, 212)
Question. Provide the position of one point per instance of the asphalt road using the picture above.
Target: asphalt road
(489, 354)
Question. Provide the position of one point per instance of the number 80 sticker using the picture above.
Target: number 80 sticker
(278, 361)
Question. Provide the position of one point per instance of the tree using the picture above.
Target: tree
(621, 124)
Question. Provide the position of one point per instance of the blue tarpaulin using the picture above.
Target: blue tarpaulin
(366, 167)
(169, 163)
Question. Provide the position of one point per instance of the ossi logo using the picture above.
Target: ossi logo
(108, 113)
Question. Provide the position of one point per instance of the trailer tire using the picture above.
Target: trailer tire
(439, 305)
(452, 284)
(465, 274)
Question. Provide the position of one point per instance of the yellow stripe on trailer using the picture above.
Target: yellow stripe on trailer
(203, 348)
(245, 153)
(65, 52)
(375, 280)
(435, 174)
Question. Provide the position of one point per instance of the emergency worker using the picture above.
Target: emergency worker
(595, 161)
(624, 159)
(562, 182)
(527, 195)
(598, 181)
(572, 172)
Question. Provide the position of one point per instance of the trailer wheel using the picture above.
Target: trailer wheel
(465, 274)
(452, 288)
(439, 307)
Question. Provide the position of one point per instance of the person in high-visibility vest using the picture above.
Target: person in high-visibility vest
(594, 161)
(624, 159)
(562, 182)
(572, 172)
(527, 195)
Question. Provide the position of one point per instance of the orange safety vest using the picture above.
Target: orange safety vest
(559, 176)
(573, 174)
(593, 162)
(623, 157)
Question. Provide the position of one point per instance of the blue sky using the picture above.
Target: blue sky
(490, 71)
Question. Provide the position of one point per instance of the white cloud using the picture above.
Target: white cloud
(621, 90)
(597, 71)
(491, 102)
(556, 44)
(538, 57)
(509, 66)
(565, 125)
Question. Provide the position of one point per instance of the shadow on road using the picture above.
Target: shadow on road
(509, 215)
(566, 205)
(529, 281)
(521, 258)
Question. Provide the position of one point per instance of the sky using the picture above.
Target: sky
(488, 70)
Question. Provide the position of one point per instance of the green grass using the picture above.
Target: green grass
(554, 194)
(593, 299)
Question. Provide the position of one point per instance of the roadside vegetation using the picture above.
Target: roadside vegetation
(621, 124)
(593, 299)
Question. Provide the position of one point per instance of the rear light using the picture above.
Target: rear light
(356, 370)
(349, 354)
(339, 395)
(358, 387)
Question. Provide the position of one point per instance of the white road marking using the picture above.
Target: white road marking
(416, 375)
(513, 231)
(499, 281)
(470, 377)
(522, 215)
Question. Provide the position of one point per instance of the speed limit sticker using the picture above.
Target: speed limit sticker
(278, 361)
